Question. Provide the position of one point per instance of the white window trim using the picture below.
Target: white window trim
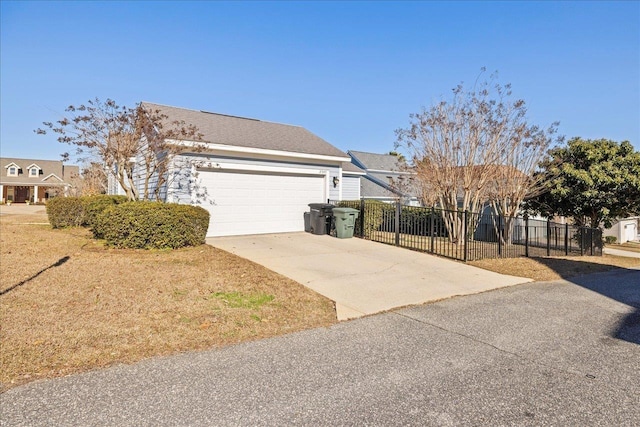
(12, 165)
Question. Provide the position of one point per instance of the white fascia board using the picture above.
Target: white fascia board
(230, 167)
(32, 165)
(390, 172)
(50, 175)
(250, 150)
(12, 164)
(347, 173)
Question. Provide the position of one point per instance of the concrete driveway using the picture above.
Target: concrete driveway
(22, 209)
(361, 276)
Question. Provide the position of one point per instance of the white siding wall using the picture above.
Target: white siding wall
(350, 188)
(334, 192)
(139, 172)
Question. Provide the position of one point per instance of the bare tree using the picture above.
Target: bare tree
(515, 179)
(456, 145)
(134, 144)
(92, 180)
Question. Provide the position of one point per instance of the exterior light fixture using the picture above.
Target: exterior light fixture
(336, 180)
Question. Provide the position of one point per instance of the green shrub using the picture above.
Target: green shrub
(376, 215)
(94, 206)
(610, 240)
(153, 225)
(65, 212)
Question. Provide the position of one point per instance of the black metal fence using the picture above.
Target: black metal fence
(469, 236)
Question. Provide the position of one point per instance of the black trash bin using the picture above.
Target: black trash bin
(320, 218)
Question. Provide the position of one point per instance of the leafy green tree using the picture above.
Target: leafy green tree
(591, 181)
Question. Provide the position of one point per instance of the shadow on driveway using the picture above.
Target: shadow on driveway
(620, 284)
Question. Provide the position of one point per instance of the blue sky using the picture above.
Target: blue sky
(351, 72)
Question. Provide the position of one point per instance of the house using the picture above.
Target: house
(254, 176)
(624, 230)
(386, 177)
(34, 181)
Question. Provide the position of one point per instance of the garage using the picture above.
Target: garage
(257, 202)
(253, 176)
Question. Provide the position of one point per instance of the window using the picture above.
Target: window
(12, 171)
(33, 172)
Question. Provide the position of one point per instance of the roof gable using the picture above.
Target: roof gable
(52, 177)
(12, 164)
(249, 133)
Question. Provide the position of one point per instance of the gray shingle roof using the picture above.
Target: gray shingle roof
(383, 162)
(369, 188)
(48, 167)
(250, 133)
(351, 168)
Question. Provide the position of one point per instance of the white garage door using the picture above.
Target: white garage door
(257, 203)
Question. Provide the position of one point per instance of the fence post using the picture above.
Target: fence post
(566, 239)
(433, 228)
(526, 235)
(592, 239)
(398, 207)
(548, 238)
(499, 233)
(465, 237)
(581, 229)
(362, 234)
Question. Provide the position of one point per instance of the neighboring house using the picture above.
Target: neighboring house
(386, 178)
(34, 181)
(624, 230)
(254, 176)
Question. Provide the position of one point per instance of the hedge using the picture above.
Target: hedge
(65, 212)
(153, 225)
(376, 215)
(381, 216)
(79, 211)
(94, 206)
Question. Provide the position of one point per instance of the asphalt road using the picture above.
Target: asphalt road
(555, 353)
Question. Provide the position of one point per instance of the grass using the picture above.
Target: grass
(555, 268)
(627, 246)
(68, 304)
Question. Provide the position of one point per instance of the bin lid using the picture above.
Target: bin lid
(345, 210)
(320, 206)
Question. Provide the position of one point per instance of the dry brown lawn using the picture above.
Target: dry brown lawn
(628, 246)
(555, 268)
(68, 304)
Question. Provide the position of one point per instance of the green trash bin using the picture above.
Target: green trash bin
(345, 221)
